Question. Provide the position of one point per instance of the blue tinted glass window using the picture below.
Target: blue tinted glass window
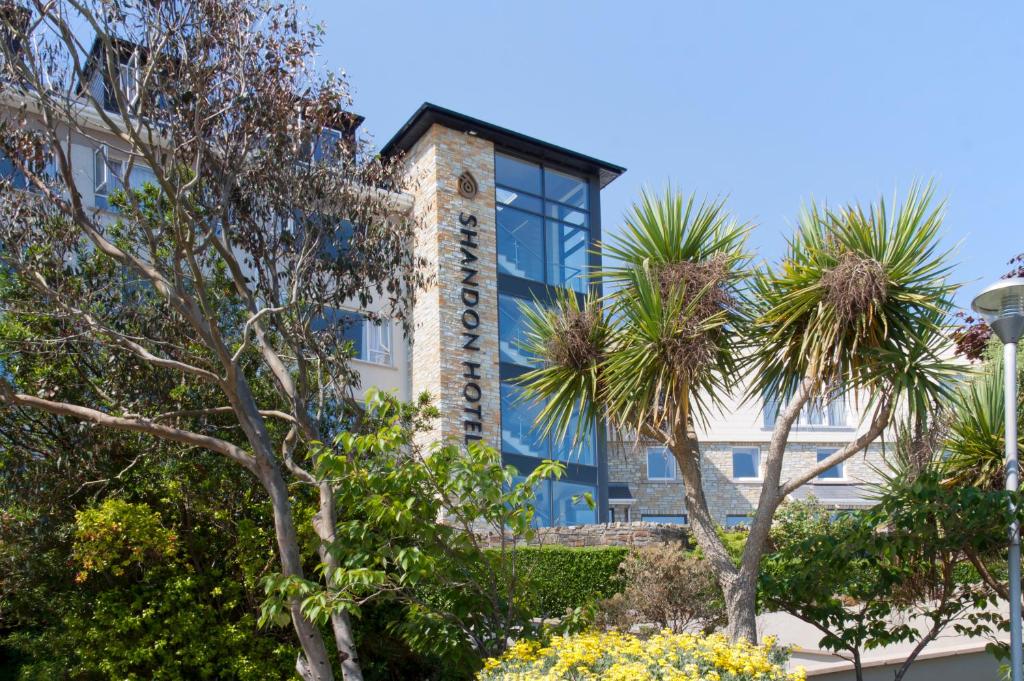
(512, 331)
(771, 409)
(8, 171)
(517, 174)
(567, 255)
(737, 521)
(541, 501)
(552, 251)
(345, 324)
(518, 434)
(576, 218)
(520, 244)
(833, 473)
(837, 411)
(517, 199)
(570, 506)
(660, 464)
(745, 462)
(680, 519)
(565, 189)
(582, 452)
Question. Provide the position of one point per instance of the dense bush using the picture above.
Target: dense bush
(666, 588)
(621, 657)
(561, 577)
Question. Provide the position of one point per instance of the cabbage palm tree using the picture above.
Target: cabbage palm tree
(974, 444)
(856, 306)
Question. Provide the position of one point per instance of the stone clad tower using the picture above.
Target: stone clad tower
(505, 220)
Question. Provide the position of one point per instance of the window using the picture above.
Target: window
(512, 331)
(570, 505)
(378, 342)
(128, 77)
(557, 502)
(519, 435)
(370, 340)
(835, 472)
(679, 519)
(815, 414)
(108, 175)
(543, 221)
(660, 464)
(738, 520)
(746, 463)
(43, 165)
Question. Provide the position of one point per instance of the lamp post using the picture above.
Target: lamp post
(1002, 306)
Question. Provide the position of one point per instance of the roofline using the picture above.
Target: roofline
(428, 114)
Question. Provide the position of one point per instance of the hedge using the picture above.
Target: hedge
(562, 577)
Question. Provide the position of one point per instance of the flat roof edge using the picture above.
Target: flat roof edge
(428, 114)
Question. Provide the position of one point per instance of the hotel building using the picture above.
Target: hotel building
(505, 218)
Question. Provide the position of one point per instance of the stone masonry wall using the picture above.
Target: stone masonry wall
(456, 232)
(627, 463)
(608, 534)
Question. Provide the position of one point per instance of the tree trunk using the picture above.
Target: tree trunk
(741, 608)
(739, 593)
(317, 665)
(344, 640)
(317, 661)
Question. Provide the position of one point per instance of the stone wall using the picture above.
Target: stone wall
(454, 233)
(627, 463)
(608, 534)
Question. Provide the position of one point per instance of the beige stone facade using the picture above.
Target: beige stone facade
(455, 338)
(729, 496)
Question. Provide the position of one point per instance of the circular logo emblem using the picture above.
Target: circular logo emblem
(467, 185)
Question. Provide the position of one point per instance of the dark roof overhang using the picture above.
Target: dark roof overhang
(429, 114)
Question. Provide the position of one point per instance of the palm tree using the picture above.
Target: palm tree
(974, 445)
(856, 306)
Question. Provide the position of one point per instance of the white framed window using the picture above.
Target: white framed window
(128, 78)
(815, 414)
(660, 464)
(837, 472)
(746, 463)
(106, 176)
(378, 342)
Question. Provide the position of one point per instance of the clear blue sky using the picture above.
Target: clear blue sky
(768, 103)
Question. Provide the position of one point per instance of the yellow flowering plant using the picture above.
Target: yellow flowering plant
(614, 656)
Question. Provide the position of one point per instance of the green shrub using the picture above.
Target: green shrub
(561, 577)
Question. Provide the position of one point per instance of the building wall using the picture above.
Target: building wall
(740, 423)
(440, 348)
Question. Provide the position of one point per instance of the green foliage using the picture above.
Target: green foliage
(562, 578)
(660, 340)
(859, 301)
(453, 600)
(860, 576)
(976, 433)
(117, 536)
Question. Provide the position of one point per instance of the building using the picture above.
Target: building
(504, 219)
(644, 484)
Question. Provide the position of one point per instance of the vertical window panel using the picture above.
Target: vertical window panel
(520, 244)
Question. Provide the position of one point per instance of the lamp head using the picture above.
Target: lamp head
(1002, 306)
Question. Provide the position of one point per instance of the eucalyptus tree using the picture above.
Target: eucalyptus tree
(854, 308)
(234, 199)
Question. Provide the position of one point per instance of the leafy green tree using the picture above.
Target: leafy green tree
(856, 307)
(892, 574)
(436, 532)
(253, 230)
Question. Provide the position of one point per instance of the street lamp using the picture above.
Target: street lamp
(1002, 306)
